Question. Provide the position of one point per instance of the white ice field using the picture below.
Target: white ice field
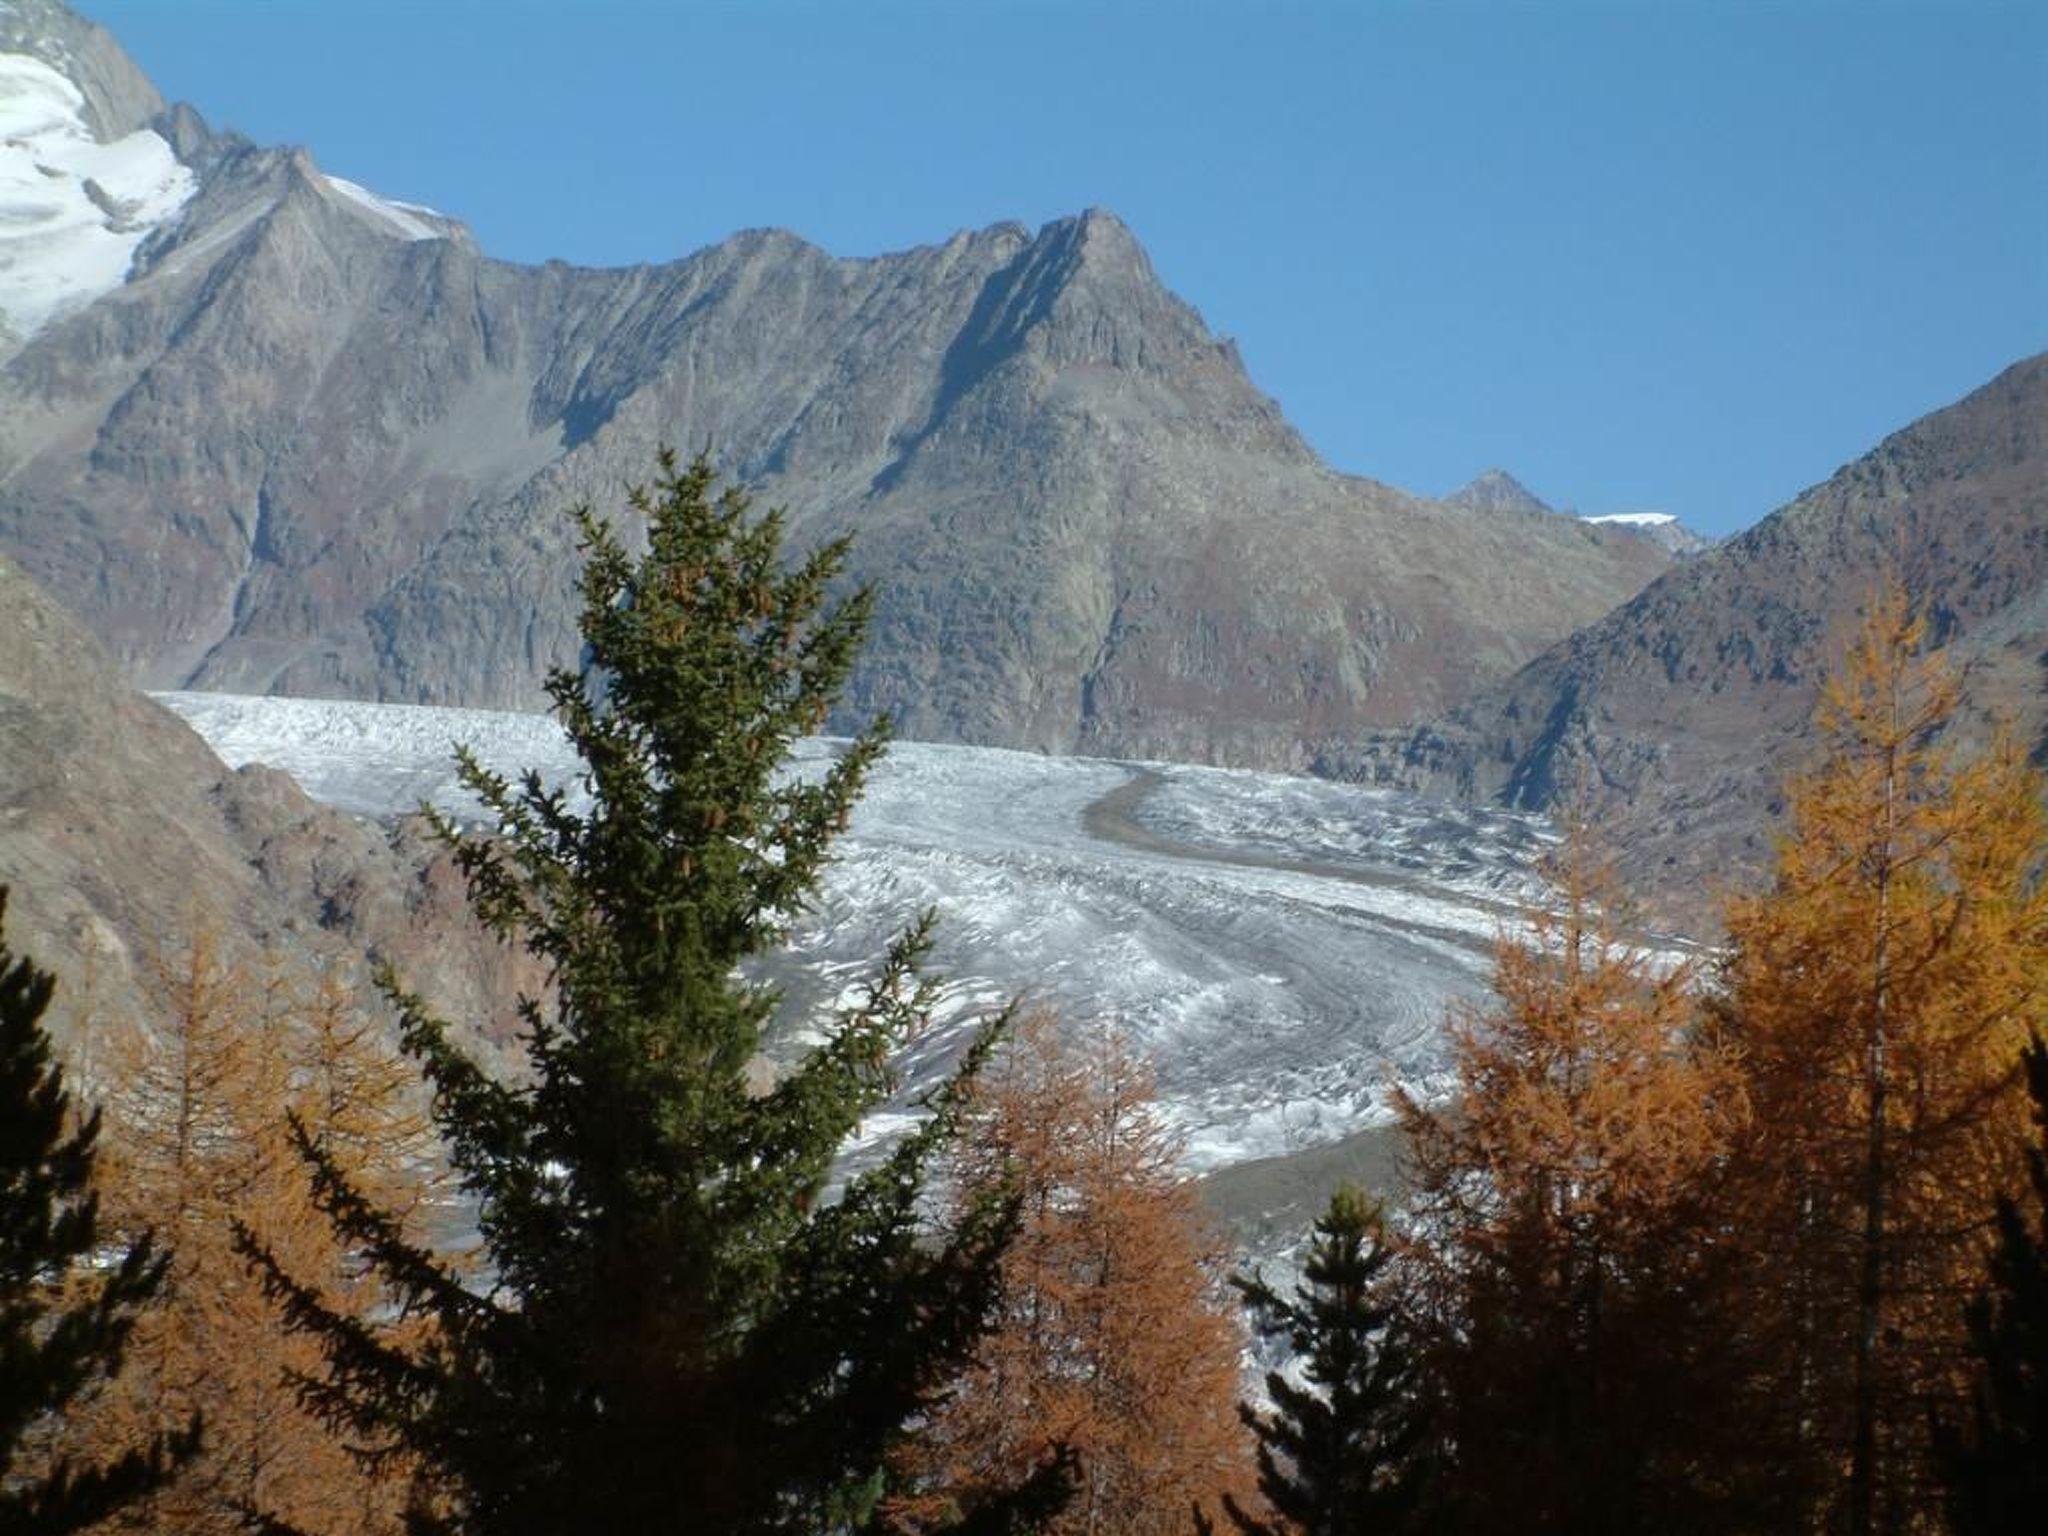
(1284, 948)
(73, 211)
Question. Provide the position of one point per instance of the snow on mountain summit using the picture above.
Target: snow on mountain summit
(408, 221)
(1636, 519)
(73, 210)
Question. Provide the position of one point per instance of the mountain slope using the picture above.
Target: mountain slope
(1683, 708)
(319, 443)
(122, 837)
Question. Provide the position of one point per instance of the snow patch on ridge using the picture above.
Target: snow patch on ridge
(1637, 519)
(401, 219)
(73, 211)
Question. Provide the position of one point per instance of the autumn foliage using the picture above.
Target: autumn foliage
(1114, 1340)
(199, 1145)
(1557, 1221)
(1694, 1251)
(1878, 997)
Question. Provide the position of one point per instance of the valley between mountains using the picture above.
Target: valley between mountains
(302, 454)
(753, 893)
(1283, 949)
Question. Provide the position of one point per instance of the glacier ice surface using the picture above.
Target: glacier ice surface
(1283, 948)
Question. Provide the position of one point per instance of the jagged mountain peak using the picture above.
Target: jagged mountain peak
(1099, 236)
(1096, 250)
(1081, 292)
(1497, 491)
(309, 446)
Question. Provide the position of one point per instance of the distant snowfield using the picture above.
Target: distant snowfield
(1637, 519)
(1283, 948)
(73, 211)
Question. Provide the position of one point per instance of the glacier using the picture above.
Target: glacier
(1284, 949)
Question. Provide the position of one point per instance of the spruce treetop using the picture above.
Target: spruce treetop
(683, 1330)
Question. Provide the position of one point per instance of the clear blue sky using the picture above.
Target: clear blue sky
(1690, 256)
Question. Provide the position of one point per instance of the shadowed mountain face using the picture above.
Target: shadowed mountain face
(318, 443)
(1682, 710)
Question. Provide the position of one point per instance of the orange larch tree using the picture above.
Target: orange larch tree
(1563, 1260)
(1116, 1340)
(1879, 995)
(199, 1144)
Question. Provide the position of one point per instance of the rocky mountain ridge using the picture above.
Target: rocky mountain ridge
(1681, 710)
(1495, 490)
(319, 443)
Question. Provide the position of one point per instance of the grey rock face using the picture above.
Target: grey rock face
(322, 445)
(1682, 710)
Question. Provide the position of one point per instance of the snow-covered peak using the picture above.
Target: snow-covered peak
(73, 210)
(1637, 519)
(408, 221)
(1660, 528)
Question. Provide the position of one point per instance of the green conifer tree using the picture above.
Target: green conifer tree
(66, 1304)
(1344, 1455)
(1995, 1464)
(682, 1330)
